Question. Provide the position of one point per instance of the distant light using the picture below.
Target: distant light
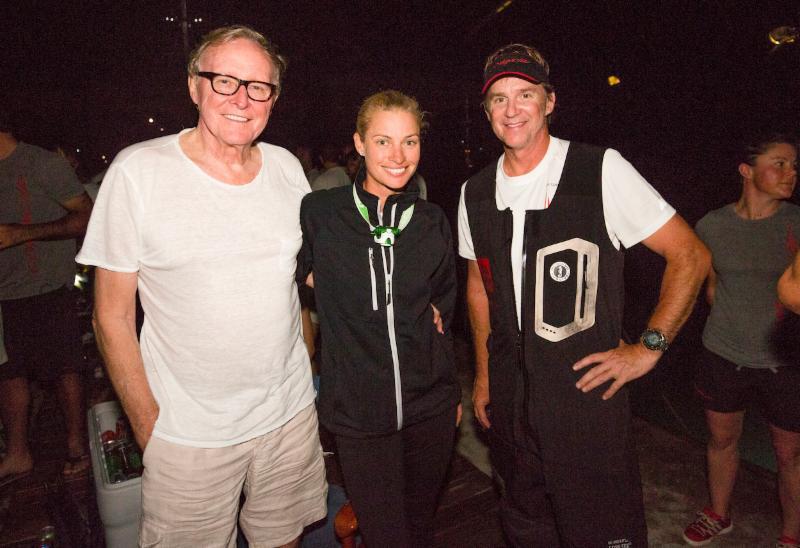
(613, 81)
(150, 120)
(503, 6)
(77, 150)
(103, 156)
(783, 35)
(161, 129)
(198, 19)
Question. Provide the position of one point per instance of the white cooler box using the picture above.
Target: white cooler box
(120, 504)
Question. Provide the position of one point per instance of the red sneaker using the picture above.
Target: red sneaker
(787, 542)
(706, 527)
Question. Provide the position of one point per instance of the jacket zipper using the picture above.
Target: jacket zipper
(387, 276)
(372, 279)
(521, 329)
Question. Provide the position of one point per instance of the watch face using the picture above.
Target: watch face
(654, 340)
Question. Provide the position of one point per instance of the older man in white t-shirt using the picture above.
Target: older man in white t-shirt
(218, 389)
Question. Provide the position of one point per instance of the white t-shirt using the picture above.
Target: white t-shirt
(221, 341)
(331, 178)
(633, 209)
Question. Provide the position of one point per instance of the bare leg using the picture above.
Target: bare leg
(15, 398)
(70, 393)
(787, 452)
(723, 457)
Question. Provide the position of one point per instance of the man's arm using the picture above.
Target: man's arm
(478, 308)
(309, 333)
(789, 286)
(688, 263)
(71, 225)
(115, 327)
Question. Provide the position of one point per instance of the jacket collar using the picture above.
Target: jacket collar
(403, 199)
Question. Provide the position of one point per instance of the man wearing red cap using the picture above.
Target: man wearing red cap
(543, 229)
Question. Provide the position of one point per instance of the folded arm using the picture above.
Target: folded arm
(71, 225)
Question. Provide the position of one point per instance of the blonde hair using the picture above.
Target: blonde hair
(223, 35)
(388, 99)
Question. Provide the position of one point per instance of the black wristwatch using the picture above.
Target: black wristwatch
(653, 339)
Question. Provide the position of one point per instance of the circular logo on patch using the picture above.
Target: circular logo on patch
(559, 271)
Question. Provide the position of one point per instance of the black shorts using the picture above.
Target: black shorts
(724, 387)
(41, 336)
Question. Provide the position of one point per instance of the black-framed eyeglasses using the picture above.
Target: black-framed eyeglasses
(224, 84)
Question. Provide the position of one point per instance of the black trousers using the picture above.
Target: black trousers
(551, 505)
(394, 481)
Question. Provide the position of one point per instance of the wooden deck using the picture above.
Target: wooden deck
(468, 513)
(467, 516)
(45, 497)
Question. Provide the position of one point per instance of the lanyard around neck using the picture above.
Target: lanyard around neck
(383, 235)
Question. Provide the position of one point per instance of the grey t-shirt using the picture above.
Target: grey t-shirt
(748, 257)
(33, 184)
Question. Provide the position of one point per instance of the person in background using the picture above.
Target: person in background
(306, 158)
(43, 209)
(333, 174)
(205, 226)
(422, 186)
(751, 241)
(385, 284)
(352, 163)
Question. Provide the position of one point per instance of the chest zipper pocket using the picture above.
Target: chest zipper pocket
(372, 280)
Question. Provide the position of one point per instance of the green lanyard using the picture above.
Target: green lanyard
(383, 235)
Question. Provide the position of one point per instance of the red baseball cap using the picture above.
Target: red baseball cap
(516, 64)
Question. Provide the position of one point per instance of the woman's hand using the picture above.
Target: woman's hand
(437, 319)
(310, 280)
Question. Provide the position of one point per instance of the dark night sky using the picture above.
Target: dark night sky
(697, 76)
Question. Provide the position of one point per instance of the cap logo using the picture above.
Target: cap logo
(504, 62)
(518, 65)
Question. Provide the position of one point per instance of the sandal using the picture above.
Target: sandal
(74, 466)
(12, 478)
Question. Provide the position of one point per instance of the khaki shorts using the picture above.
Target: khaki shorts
(190, 495)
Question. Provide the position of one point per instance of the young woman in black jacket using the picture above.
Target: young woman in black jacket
(383, 271)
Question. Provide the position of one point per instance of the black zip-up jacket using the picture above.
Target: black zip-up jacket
(359, 393)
